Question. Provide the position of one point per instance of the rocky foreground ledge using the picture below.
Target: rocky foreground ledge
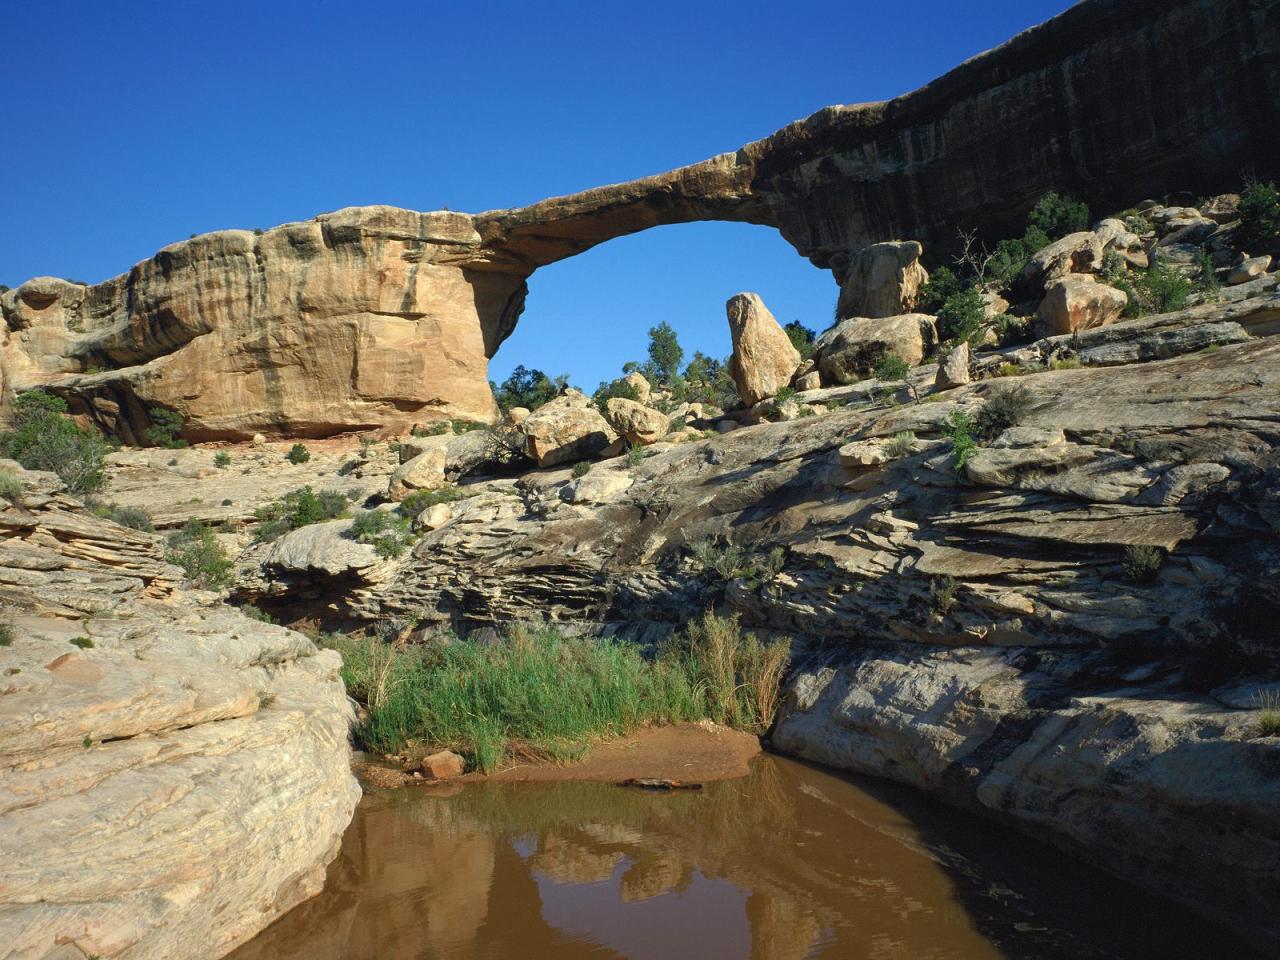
(173, 775)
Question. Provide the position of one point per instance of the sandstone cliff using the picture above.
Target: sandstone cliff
(380, 318)
(173, 775)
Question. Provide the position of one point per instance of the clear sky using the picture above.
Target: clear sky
(129, 125)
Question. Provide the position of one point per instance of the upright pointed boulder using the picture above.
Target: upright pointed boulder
(763, 358)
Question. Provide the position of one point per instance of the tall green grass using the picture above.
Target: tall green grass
(538, 692)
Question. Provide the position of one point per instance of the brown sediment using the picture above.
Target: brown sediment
(687, 752)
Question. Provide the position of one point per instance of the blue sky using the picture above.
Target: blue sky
(133, 124)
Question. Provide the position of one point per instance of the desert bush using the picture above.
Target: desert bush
(222, 459)
(166, 428)
(1268, 702)
(801, 338)
(1141, 563)
(45, 438)
(942, 594)
(1003, 409)
(636, 455)
(527, 388)
(298, 454)
(891, 369)
(419, 500)
(614, 389)
(581, 468)
(298, 509)
(942, 284)
(707, 380)
(6, 633)
(960, 429)
(195, 548)
(962, 315)
(1158, 290)
(725, 561)
(1259, 229)
(135, 518)
(388, 532)
(1058, 216)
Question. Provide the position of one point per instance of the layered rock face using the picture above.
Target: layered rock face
(380, 318)
(1072, 630)
(173, 775)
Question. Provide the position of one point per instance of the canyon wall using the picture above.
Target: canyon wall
(379, 317)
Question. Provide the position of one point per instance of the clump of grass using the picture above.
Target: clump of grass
(581, 468)
(538, 691)
(1005, 408)
(1141, 563)
(901, 444)
(10, 485)
(222, 459)
(195, 548)
(726, 561)
(84, 643)
(1269, 703)
(635, 455)
(6, 633)
(298, 454)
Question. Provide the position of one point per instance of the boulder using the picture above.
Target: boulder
(809, 381)
(424, 472)
(851, 349)
(1223, 208)
(882, 280)
(1075, 253)
(566, 429)
(320, 549)
(763, 358)
(517, 415)
(1180, 256)
(636, 422)
(444, 765)
(1078, 303)
(1250, 269)
(641, 386)
(954, 369)
(429, 462)
(598, 486)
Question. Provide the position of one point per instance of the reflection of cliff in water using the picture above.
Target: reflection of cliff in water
(788, 863)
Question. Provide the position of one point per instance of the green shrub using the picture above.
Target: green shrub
(84, 643)
(11, 486)
(1259, 228)
(6, 633)
(133, 517)
(608, 391)
(1004, 409)
(801, 338)
(1141, 564)
(298, 509)
(527, 388)
(959, 429)
(298, 454)
(45, 438)
(942, 594)
(942, 284)
(222, 459)
(1058, 216)
(891, 369)
(1208, 278)
(195, 548)
(962, 315)
(665, 352)
(419, 500)
(388, 532)
(707, 380)
(636, 455)
(581, 468)
(1158, 290)
(727, 562)
(166, 428)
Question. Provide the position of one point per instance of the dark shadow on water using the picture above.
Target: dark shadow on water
(791, 862)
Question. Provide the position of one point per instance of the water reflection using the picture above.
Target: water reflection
(788, 863)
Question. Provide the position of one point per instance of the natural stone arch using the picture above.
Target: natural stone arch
(380, 317)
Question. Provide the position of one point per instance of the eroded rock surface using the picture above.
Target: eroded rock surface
(173, 774)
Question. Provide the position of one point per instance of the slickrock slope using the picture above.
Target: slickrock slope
(173, 775)
(973, 633)
(377, 317)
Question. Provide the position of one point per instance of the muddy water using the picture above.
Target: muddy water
(789, 863)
